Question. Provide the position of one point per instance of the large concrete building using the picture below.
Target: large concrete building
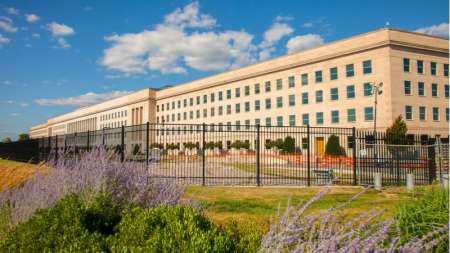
(328, 86)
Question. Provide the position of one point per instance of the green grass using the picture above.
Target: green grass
(223, 204)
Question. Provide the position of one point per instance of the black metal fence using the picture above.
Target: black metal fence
(258, 155)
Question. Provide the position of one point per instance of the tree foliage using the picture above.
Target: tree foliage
(396, 134)
(333, 146)
(23, 137)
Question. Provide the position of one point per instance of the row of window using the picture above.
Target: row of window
(114, 115)
(435, 112)
(113, 124)
(408, 89)
(420, 67)
(350, 71)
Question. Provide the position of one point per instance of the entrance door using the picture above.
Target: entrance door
(320, 146)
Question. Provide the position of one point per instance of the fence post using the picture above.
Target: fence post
(308, 152)
(146, 143)
(431, 161)
(75, 143)
(103, 137)
(49, 147)
(203, 153)
(354, 154)
(122, 144)
(258, 155)
(87, 147)
(56, 148)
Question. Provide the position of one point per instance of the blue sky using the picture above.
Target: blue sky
(56, 56)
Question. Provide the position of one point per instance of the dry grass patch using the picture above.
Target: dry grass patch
(14, 173)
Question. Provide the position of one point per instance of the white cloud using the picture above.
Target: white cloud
(275, 33)
(36, 35)
(303, 42)
(436, 30)
(15, 114)
(62, 43)
(12, 11)
(89, 98)
(3, 40)
(6, 24)
(281, 19)
(24, 104)
(171, 48)
(88, 8)
(60, 30)
(32, 18)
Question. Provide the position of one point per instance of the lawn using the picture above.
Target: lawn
(253, 204)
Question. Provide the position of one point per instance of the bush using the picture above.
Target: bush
(190, 145)
(333, 147)
(289, 145)
(240, 144)
(169, 229)
(68, 225)
(210, 145)
(157, 145)
(136, 149)
(427, 212)
(246, 235)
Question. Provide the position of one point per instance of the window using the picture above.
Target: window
(267, 86)
(191, 115)
(268, 121)
(179, 104)
(279, 102)
(408, 112)
(197, 114)
(220, 110)
(367, 89)
(291, 100)
(291, 82)
(351, 115)
(213, 97)
(445, 69)
(212, 111)
(257, 88)
(407, 88)
(305, 119)
(305, 79)
(229, 126)
(334, 73)
(305, 98)
(247, 124)
(228, 109)
(238, 92)
(367, 67)
(220, 96)
(228, 94)
(368, 113)
(198, 100)
(447, 114)
(205, 113)
(257, 122)
(191, 102)
(319, 96)
(319, 78)
(205, 99)
(446, 90)
(185, 103)
(334, 93)
(334, 116)
(350, 70)
(319, 118)
(419, 66)
(280, 121)
(434, 89)
(435, 113)
(279, 84)
(351, 91)
(421, 88)
(238, 108)
(268, 103)
(238, 125)
(247, 90)
(247, 106)
(405, 65)
(291, 120)
(433, 68)
(422, 113)
(257, 105)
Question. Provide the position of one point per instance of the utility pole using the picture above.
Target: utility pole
(376, 89)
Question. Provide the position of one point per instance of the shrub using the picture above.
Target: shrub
(427, 212)
(169, 229)
(157, 145)
(190, 145)
(240, 144)
(172, 146)
(396, 134)
(289, 145)
(68, 225)
(136, 149)
(218, 145)
(246, 235)
(333, 147)
(210, 145)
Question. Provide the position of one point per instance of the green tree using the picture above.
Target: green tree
(6, 140)
(333, 146)
(396, 134)
(289, 145)
(23, 137)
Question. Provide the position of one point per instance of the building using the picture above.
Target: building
(328, 86)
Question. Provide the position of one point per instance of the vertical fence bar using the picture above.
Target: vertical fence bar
(431, 161)
(354, 154)
(75, 144)
(87, 141)
(56, 148)
(258, 155)
(308, 152)
(146, 142)
(122, 144)
(49, 147)
(203, 153)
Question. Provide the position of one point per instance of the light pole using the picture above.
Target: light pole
(376, 89)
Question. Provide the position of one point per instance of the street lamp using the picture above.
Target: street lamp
(376, 89)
